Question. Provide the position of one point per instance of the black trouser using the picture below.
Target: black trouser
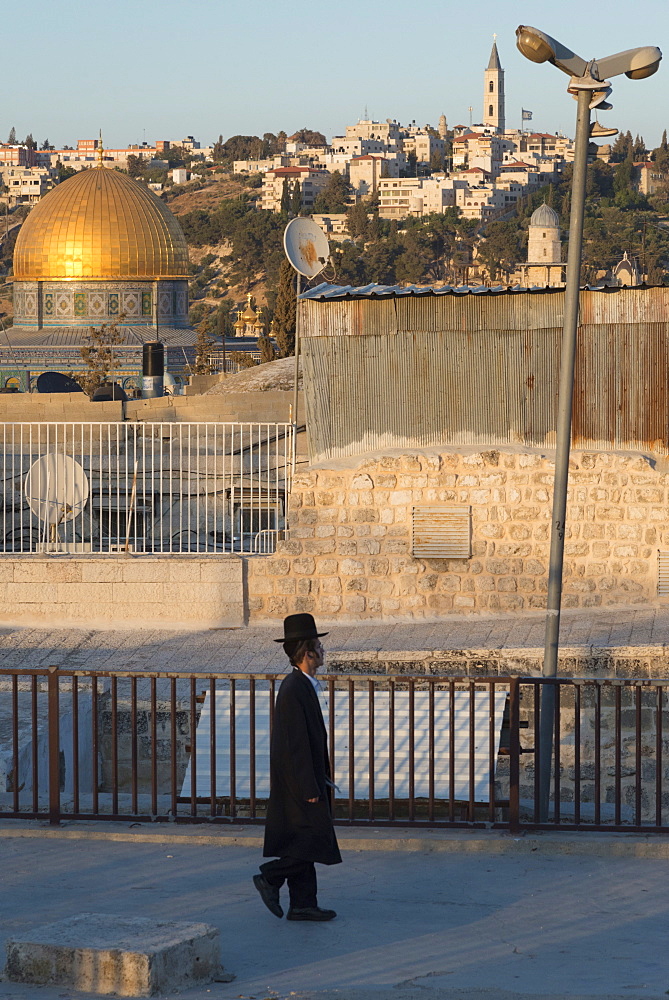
(301, 878)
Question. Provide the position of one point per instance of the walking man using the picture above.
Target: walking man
(299, 829)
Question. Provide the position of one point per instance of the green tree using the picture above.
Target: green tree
(639, 148)
(622, 147)
(218, 151)
(285, 195)
(308, 137)
(500, 250)
(204, 345)
(97, 354)
(380, 260)
(135, 165)
(46, 145)
(357, 219)
(225, 318)
(334, 196)
(296, 199)
(661, 154)
(269, 142)
(29, 142)
(266, 348)
(284, 311)
(436, 162)
(64, 171)
(626, 196)
(176, 156)
(11, 139)
(348, 264)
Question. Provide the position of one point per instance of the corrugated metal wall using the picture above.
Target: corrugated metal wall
(483, 370)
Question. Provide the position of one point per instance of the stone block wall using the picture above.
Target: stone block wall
(122, 590)
(264, 407)
(348, 551)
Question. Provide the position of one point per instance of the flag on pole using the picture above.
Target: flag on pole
(527, 115)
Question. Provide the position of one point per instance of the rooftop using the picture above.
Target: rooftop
(333, 293)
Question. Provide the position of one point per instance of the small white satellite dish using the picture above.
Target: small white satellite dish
(56, 488)
(306, 247)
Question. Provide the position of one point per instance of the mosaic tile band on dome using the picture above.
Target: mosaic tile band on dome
(102, 225)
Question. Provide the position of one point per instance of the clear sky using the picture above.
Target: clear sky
(202, 67)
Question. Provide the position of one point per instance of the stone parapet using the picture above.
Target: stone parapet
(121, 590)
(348, 553)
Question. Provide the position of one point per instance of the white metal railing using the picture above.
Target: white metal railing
(228, 362)
(144, 487)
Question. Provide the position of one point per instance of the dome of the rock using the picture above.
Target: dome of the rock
(100, 248)
(100, 225)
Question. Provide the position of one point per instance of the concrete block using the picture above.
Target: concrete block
(27, 570)
(221, 569)
(141, 593)
(101, 570)
(143, 569)
(127, 956)
(86, 594)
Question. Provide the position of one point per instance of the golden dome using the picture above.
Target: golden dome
(100, 224)
(249, 314)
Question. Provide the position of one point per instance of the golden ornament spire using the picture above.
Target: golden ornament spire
(100, 149)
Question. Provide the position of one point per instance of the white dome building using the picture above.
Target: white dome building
(544, 250)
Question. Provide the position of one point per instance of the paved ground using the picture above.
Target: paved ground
(526, 922)
(252, 649)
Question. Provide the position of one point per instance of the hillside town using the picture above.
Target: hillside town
(405, 170)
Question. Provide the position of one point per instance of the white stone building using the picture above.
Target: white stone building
(417, 196)
(424, 145)
(311, 182)
(26, 185)
(365, 172)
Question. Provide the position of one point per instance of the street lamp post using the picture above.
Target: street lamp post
(588, 84)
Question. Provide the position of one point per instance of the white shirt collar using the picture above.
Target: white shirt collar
(314, 680)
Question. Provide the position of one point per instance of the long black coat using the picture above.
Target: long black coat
(299, 765)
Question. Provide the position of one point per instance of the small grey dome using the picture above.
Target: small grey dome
(546, 217)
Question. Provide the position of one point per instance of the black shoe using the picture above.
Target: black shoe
(309, 913)
(269, 894)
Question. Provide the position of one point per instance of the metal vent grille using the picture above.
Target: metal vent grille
(663, 574)
(442, 532)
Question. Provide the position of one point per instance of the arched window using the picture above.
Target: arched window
(490, 110)
(491, 87)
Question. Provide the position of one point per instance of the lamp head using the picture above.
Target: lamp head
(645, 62)
(534, 44)
(539, 47)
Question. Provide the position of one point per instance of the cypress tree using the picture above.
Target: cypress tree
(284, 311)
(296, 199)
(285, 196)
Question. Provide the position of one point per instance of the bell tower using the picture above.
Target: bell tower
(493, 93)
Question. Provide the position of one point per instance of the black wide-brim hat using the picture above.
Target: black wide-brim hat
(296, 628)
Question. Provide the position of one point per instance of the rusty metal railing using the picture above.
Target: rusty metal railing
(405, 750)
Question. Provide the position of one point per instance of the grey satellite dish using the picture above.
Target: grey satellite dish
(306, 247)
(56, 488)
